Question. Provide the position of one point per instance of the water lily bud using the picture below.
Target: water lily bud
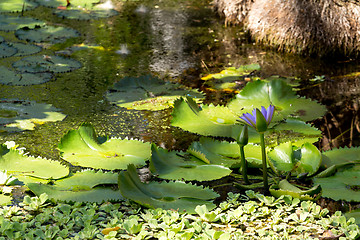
(243, 137)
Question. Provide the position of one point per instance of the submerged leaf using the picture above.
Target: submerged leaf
(81, 148)
(172, 165)
(166, 195)
(148, 93)
(18, 164)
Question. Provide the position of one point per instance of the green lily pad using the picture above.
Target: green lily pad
(354, 214)
(286, 158)
(18, 164)
(19, 115)
(226, 78)
(40, 64)
(5, 200)
(81, 147)
(9, 77)
(81, 187)
(94, 195)
(16, 5)
(147, 92)
(166, 195)
(6, 50)
(278, 93)
(49, 34)
(343, 185)
(12, 23)
(86, 14)
(286, 188)
(341, 156)
(25, 49)
(172, 165)
(227, 153)
(74, 3)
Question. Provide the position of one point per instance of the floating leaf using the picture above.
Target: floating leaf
(18, 164)
(5, 200)
(25, 49)
(278, 93)
(86, 14)
(97, 194)
(354, 214)
(1, 39)
(341, 156)
(12, 23)
(286, 188)
(6, 50)
(81, 148)
(19, 115)
(226, 78)
(9, 77)
(172, 165)
(343, 185)
(166, 195)
(74, 3)
(16, 5)
(46, 34)
(147, 92)
(39, 64)
(227, 153)
(81, 187)
(285, 158)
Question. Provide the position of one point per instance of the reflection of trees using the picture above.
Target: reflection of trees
(168, 42)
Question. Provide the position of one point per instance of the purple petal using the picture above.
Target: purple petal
(263, 111)
(249, 119)
(270, 113)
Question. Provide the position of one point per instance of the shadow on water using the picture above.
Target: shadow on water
(177, 41)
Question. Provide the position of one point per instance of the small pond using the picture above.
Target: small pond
(176, 41)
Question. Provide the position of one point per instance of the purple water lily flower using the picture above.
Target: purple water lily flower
(260, 123)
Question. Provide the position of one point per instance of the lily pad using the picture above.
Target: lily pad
(166, 195)
(74, 3)
(19, 115)
(25, 49)
(341, 156)
(81, 187)
(40, 64)
(287, 158)
(6, 50)
(12, 23)
(9, 77)
(178, 166)
(354, 214)
(227, 153)
(16, 5)
(49, 34)
(1, 39)
(18, 164)
(286, 188)
(148, 93)
(278, 93)
(227, 78)
(343, 185)
(81, 147)
(86, 14)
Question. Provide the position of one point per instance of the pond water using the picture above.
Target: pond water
(178, 41)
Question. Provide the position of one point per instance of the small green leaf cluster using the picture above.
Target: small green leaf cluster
(251, 216)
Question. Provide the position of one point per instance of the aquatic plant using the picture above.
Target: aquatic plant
(260, 120)
(242, 141)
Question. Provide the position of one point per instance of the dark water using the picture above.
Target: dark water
(177, 41)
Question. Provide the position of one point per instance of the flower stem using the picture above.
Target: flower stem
(243, 165)
(264, 164)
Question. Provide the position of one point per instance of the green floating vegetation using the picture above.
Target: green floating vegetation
(85, 186)
(40, 64)
(177, 195)
(25, 49)
(16, 5)
(12, 23)
(86, 14)
(344, 185)
(284, 188)
(46, 33)
(148, 93)
(19, 164)
(19, 115)
(178, 166)
(9, 77)
(81, 147)
(341, 156)
(73, 3)
(6, 50)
